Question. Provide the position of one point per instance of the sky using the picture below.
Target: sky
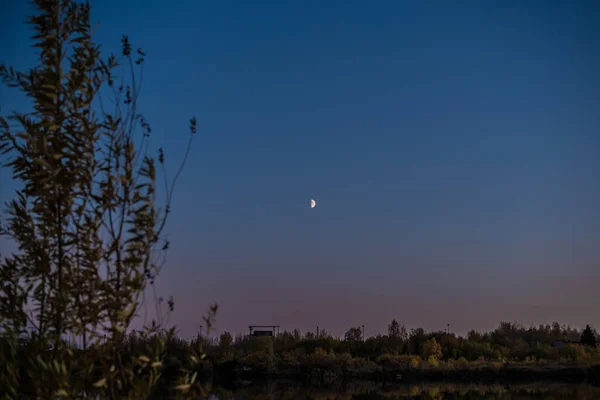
(452, 148)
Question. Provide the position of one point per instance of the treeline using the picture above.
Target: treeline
(292, 354)
(510, 352)
(510, 342)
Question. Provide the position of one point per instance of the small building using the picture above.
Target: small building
(265, 330)
(262, 333)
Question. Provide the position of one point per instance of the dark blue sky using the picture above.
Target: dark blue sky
(453, 149)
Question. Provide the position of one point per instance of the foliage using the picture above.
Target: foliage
(354, 334)
(86, 220)
(259, 360)
(509, 344)
(431, 350)
(394, 362)
(225, 340)
(588, 337)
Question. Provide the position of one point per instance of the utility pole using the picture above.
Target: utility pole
(363, 332)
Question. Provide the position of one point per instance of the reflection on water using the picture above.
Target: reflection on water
(538, 391)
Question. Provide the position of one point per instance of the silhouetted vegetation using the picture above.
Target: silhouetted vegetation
(509, 352)
(86, 222)
(588, 337)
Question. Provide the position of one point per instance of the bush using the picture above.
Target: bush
(393, 362)
(360, 366)
(461, 363)
(433, 361)
(573, 353)
(431, 348)
(259, 361)
(288, 360)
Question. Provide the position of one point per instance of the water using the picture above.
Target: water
(538, 391)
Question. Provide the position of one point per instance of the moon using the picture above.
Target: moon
(313, 203)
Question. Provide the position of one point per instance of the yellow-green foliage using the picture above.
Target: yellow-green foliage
(288, 360)
(573, 352)
(397, 362)
(431, 349)
(84, 217)
(461, 363)
(433, 361)
(323, 359)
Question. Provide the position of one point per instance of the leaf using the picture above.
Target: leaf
(61, 392)
(183, 387)
(127, 312)
(100, 383)
(144, 359)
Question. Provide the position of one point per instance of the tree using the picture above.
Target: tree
(397, 331)
(588, 337)
(297, 335)
(353, 334)
(403, 333)
(394, 329)
(323, 334)
(431, 349)
(416, 339)
(225, 340)
(86, 219)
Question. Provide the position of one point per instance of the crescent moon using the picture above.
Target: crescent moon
(313, 203)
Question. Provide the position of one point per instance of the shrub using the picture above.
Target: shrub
(573, 352)
(361, 366)
(392, 362)
(433, 361)
(260, 361)
(461, 363)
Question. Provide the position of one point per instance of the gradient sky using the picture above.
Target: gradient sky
(453, 149)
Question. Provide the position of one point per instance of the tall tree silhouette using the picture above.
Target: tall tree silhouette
(397, 331)
(394, 329)
(588, 337)
(353, 334)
